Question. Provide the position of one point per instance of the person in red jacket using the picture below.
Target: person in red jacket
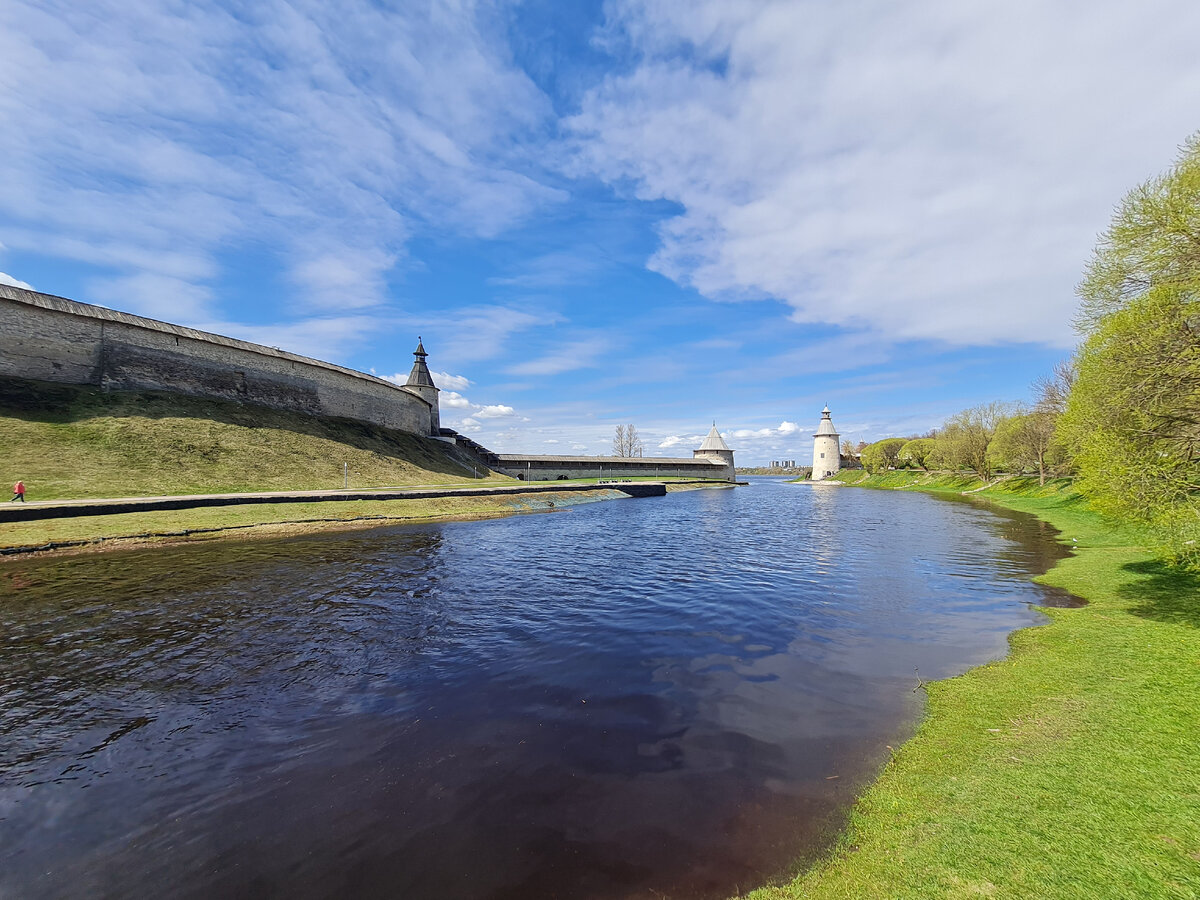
(18, 492)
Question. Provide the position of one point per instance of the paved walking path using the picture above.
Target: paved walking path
(55, 509)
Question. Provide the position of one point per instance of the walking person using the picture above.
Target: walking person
(18, 492)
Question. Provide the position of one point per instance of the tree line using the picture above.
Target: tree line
(1122, 415)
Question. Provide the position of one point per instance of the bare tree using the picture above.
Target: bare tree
(1053, 390)
(626, 441)
(619, 441)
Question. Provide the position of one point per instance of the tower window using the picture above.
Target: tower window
(822, 456)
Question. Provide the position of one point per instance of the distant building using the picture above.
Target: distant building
(715, 448)
(826, 455)
(714, 460)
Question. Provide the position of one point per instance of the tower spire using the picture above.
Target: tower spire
(420, 382)
(419, 376)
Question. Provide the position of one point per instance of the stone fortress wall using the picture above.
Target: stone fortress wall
(554, 468)
(48, 338)
(714, 459)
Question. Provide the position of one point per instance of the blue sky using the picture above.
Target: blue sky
(664, 213)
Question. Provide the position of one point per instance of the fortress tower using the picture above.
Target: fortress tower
(826, 454)
(420, 382)
(715, 448)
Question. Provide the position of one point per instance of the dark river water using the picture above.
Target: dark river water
(670, 696)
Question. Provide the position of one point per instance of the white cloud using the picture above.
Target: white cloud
(469, 425)
(445, 380)
(481, 332)
(571, 356)
(453, 400)
(5, 278)
(152, 136)
(676, 440)
(785, 428)
(494, 412)
(579, 446)
(342, 277)
(157, 296)
(937, 171)
(320, 337)
(552, 270)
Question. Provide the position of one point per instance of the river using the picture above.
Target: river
(672, 696)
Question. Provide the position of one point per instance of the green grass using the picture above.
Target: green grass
(1070, 769)
(65, 441)
(906, 479)
(274, 519)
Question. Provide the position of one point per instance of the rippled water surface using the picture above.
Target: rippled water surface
(673, 695)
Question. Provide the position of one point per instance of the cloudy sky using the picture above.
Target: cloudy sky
(667, 212)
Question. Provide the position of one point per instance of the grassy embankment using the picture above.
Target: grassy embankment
(70, 442)
(73, 442)
(253, 520)
(1069, 769)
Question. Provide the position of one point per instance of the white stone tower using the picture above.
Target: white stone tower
(715, 448)
(420, 382)
(826, 453)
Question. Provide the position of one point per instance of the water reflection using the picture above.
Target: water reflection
(676, 695)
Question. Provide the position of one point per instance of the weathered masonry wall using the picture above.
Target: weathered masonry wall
(49, 338)
(552, 468)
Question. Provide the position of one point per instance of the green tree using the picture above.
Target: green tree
(964, 441)
(1154, 239)
(1133, 415)
(1026, 441)
(882, 455)
(917, 451)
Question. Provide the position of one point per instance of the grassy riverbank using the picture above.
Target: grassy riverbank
(89, 534)
(1070, 769)
(67, 441)
(263, 520)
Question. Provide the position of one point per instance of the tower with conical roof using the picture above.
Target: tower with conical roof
(420, 382)
(827, 459)
(715, 448)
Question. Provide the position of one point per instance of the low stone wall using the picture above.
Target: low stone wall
(550, 468)
(47, 338)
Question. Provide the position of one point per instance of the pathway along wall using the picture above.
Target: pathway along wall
(48, 338)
